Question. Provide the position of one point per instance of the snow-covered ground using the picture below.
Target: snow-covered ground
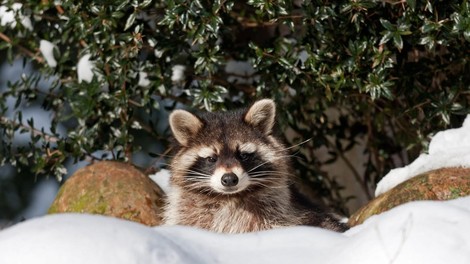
(418, 232)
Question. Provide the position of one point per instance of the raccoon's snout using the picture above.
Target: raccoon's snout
(229, 179)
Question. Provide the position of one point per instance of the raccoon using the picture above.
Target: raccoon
(231, 174)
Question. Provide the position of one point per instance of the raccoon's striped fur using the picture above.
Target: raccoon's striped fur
(231, 174)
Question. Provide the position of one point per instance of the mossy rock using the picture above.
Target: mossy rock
(441, 184)
(113, 189)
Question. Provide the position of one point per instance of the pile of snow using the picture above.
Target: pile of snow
(418, 232)
(85, 68)
(47, 50)
(162, 178)
(177, 74)
(449, 148)
(7, 16)
(143, 79)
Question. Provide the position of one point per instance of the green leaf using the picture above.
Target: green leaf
(398, 41)
(130, 21)
(117, 14)
(285, 63)
(387, 25)
(386, 38)
(145, 3)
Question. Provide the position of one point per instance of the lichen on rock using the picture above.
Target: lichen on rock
(114, 189)
(440, 184)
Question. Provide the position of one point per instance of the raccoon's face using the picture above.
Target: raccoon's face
(228, 153)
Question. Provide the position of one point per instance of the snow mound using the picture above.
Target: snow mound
(449, 148)
(47, 50)
(85, 68)
(417, 232)
(7, 17)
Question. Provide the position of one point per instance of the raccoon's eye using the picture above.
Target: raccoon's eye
(211, 159)
(244, 156)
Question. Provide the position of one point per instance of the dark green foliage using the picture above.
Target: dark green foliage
(392, 72)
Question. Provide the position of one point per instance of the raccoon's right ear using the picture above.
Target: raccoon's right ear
(184, 126)
(262, 115)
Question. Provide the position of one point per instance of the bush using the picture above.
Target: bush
(385, 73)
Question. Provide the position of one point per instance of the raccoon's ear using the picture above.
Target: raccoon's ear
(262, 115)
(184, 126)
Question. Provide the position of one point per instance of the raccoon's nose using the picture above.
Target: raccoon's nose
(229, 179)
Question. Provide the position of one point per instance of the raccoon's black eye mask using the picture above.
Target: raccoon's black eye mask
(211, 159)
(245, 156)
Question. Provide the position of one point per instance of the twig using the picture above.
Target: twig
(35, 132)
(23, 49)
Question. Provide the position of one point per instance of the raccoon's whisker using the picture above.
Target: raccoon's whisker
(257, 166)
(272, 183)
(298, 144)
(197, 174)
(261, 184)
(188, 170)
(164, 155)
(266, 162)
(294, 155)
(265, 180)
(262, 179)
(195, 178)
(268, 185)
(195, 186)
(192, 172)
(267, 173)
(254, 173)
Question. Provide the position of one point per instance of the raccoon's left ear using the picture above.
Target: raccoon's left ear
(184, 126)
(262, 115)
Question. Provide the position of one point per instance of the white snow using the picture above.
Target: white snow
(47, 50)
(162, 178)
(158, 53)
(449, 148)
(85, 69)
(143, 79)
(7, 17)
(177, 74)
(411, 233)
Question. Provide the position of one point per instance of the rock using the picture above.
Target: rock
(114, 189)
(441, 184)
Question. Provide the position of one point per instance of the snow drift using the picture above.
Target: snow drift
(418, 232)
